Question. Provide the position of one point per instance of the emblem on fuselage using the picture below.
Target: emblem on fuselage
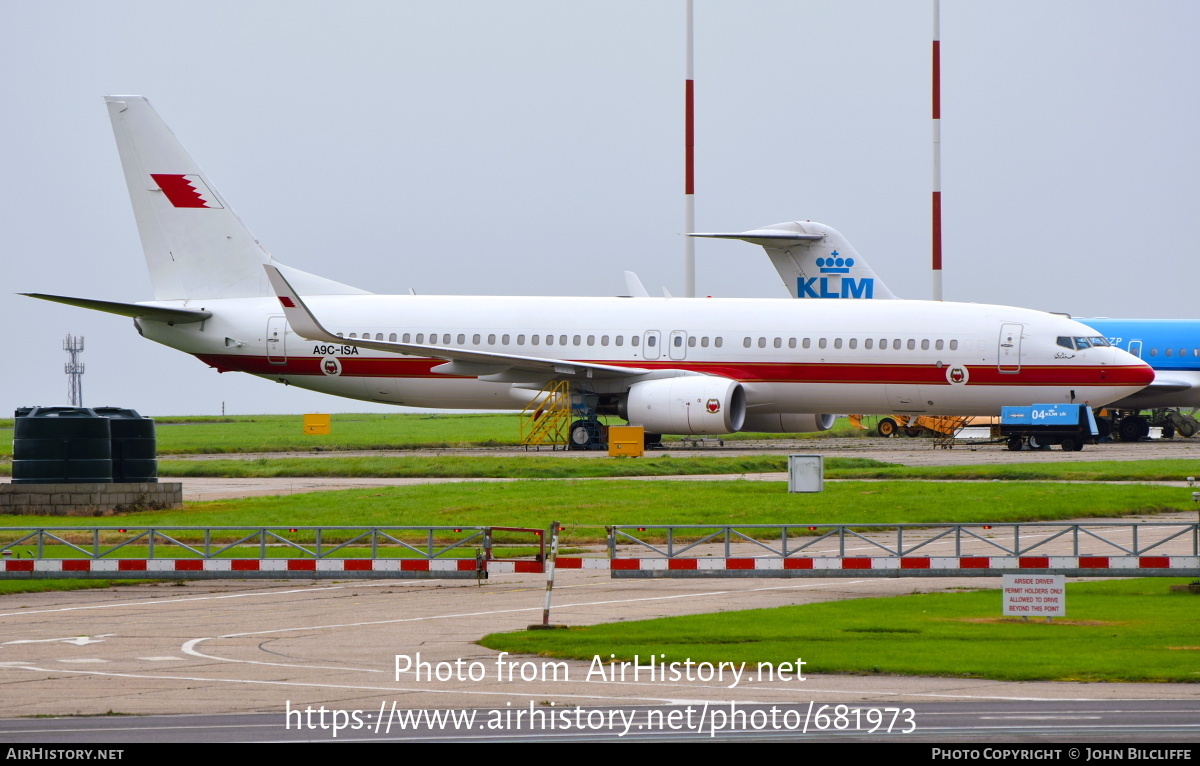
(331, 366)
(957, 376)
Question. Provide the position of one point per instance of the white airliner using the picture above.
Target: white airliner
(672, 365)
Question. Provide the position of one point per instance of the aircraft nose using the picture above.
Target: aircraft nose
(1133, 371)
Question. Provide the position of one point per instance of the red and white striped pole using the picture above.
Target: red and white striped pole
(937, 155)
(689, 174)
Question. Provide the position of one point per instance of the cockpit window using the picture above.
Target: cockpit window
(1081, 343)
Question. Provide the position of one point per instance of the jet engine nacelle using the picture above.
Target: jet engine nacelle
(788, 423)
(692, 404)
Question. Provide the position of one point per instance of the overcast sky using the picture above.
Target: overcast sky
(536, 148)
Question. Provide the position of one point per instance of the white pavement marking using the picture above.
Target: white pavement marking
(156, 601)
(77, 640)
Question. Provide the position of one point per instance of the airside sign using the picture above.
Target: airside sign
(1034, 595)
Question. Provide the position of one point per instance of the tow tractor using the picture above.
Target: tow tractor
(1041, 425)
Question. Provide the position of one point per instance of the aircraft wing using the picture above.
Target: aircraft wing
(508, 368)
(1161, 386)
(135, 310)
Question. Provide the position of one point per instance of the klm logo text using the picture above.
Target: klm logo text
(828, 287)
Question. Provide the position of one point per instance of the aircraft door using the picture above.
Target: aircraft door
(650, 344)
(1010, 348)
(677, 348)
(1135, 348)
(277, 340)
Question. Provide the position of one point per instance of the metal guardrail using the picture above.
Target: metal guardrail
(180, 551)
(842, 550)
(1145, 537)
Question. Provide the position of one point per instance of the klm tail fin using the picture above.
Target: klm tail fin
(195, 245)
(814, 261)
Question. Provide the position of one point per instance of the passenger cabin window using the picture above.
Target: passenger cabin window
(821, 343)
(869, 343)
(603, 340)
(520, 340)
(854, 343)
(762, 342)
(837, 342)
(718, 341)
(704, 342)
(406, 338)
(939, 344)
(896, 344)
(620, 340)
(691, 341)
(492, 340)
(745, 342)
(779, 343)
(954, 345)
(634, 340)
(791, 342)
(678, 341)
(475, 339)
(912, 344)
(392, 337)
(420, 337)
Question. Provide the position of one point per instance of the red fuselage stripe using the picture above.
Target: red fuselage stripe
(770, 372)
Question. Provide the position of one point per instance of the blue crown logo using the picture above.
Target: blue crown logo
(835, 264)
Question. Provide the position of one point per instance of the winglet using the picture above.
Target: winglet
(298, 315)
(634, 287)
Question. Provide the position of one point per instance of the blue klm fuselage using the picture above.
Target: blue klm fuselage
(1170, 346)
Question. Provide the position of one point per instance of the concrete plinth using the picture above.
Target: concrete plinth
(88, 499)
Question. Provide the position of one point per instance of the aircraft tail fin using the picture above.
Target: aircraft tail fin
(814, 261)
(195, 245)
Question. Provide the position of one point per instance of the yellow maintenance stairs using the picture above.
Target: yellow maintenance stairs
(943, 428)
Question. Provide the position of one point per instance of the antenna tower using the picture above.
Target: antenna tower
(74, 369)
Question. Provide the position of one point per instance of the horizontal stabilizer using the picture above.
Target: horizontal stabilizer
(135, 310)
(767, 237)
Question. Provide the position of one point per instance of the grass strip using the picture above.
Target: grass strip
(1105, 470)
(537, 503)
(356, 431)
(1128, 630)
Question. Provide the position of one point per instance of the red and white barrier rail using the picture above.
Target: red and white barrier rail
(860, 566)
(902, 566)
